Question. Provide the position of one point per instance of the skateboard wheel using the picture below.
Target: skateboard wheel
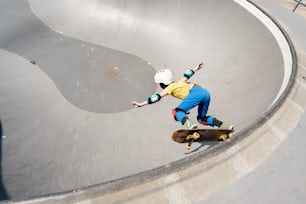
(222, 137)
(196, 135)
(188, 147)
(229, 135)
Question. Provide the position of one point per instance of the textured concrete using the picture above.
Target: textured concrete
(70, 68)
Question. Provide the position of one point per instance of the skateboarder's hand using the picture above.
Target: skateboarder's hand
(198, 67)
(137, 104)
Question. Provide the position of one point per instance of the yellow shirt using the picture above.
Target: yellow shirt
(179, 89)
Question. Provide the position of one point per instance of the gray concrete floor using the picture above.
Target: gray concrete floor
(66, 81)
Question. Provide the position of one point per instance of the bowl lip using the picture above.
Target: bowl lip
(153, 174)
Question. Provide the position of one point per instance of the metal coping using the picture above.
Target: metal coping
(298, 2)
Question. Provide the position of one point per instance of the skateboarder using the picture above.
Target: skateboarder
(192, 95)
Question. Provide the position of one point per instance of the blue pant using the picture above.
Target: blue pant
(198, 96)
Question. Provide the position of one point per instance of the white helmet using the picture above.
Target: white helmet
(164, 76)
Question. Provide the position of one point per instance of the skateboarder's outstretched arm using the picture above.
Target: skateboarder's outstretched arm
(189, 73)
(152, 99)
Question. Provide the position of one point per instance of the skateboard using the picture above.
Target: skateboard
(197, 135)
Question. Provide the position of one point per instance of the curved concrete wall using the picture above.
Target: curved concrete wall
(240, 54)
(93, 57)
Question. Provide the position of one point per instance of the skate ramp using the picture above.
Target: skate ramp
(69, 70)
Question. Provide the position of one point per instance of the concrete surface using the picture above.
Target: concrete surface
(67, 80)
(281, 178)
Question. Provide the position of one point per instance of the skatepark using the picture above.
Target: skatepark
(70, 69)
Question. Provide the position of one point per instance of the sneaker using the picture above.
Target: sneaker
(190, 125)
(226, 126)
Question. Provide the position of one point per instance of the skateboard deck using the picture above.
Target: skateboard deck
(197, 135)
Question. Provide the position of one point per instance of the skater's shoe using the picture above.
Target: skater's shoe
(188, 124)
(207, 120)
(226, 126)
(213, 121)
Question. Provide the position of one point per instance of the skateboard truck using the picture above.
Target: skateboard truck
(191, 139)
